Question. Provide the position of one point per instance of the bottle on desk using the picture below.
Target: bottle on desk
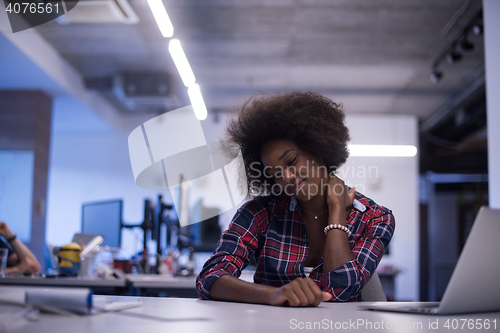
(191, 264)
(169, 265)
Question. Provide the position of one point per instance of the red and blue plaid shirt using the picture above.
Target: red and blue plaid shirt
(275, 235)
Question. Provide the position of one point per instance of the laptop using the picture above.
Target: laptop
(473, 287)
(84, 238)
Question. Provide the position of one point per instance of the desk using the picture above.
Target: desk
(98, 286)
(155, 284)
(149, 285)
(172, 286)
(194, 315)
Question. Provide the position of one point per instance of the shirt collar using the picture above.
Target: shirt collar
(358, 205)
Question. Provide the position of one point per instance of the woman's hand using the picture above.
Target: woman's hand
(299, 292)
(338, 194)
(5, 231)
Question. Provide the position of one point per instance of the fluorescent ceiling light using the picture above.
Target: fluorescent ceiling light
(181, 62)
(383, 150)
(200, 110)
(161, 17)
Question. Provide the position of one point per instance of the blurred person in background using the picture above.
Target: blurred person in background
(20, 259)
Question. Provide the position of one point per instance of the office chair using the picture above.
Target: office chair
(372, 291)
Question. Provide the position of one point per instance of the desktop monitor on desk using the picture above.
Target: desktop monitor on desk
(103, 218)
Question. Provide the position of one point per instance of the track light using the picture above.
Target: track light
(453, 57)
(461, 44)
(477, 29)
(466, 45)
(436, 75)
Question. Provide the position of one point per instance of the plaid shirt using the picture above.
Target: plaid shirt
(275, 235)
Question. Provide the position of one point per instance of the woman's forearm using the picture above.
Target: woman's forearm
(25, 256)
(230, 288)
(337, 250)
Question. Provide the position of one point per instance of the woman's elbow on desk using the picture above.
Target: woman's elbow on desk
(27, 266)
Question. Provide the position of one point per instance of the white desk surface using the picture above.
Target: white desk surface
(63, 281)
(194, 315)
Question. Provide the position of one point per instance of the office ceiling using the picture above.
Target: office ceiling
(373, 56)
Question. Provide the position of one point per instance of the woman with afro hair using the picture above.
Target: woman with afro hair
(312, 237)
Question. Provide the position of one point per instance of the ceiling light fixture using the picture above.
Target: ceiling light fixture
(461, 42)
(466, 45)
(383, 150)
(453, 57)
(181, 62)
(200, 110)
(161, 17)
(436, 75)
(179, 57)
(477, 29)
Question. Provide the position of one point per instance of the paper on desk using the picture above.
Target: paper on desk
(74, 300)
(102, 305)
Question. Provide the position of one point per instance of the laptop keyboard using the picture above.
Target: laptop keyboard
(422, 308)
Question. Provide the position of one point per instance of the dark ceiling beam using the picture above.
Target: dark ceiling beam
(453, 102)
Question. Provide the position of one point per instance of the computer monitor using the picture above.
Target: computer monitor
(103, 218)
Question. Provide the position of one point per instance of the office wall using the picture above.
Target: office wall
(25, 124)
(93, 166)
(86, 168)
(492, 66)
(391, 182)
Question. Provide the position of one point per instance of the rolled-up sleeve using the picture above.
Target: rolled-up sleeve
(234, 247)
(346, 282)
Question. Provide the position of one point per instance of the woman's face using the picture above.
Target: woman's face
(295, 171)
